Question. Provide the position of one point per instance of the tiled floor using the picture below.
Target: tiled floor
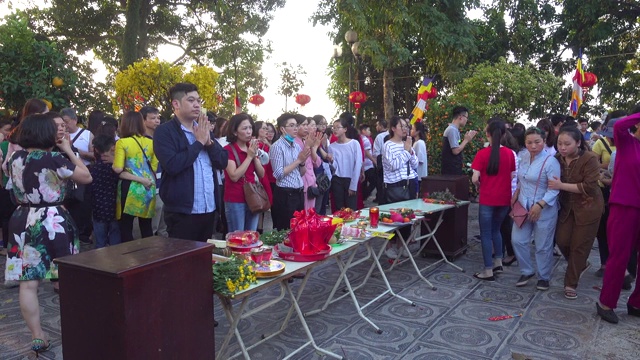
(449, 323)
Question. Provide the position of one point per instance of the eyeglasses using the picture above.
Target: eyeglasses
(338, 127)
(295, 126)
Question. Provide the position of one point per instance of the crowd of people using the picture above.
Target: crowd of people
(187, 178)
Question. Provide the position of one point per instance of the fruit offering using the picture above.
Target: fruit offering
(394, 217)
(347, 214)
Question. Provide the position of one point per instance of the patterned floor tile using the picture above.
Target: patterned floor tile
(557, 314)
(544, 338)
(493, 294)
(480, 312)
(515, 352)
(396, 336)
(443, 295)
(423, 351)
(465, 336)
(422, 314)
(349, 350)
(450, 277)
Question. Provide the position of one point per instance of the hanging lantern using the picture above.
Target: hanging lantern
(303, 99)
(357, 98)
(590, 79)
(256, 99)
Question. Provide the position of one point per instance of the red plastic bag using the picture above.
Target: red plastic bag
(299, 236)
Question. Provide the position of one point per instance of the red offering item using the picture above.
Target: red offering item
(374, 216)
(242, 238)
(310, 232)
(295, 256)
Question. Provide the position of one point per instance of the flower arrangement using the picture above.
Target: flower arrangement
(272, 238)
(441, 197)
(233, 275)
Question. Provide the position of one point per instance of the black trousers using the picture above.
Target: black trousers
(285, 202)
(196, 227)
(370, 183)
(380, 196)
(6, 210)
(126, 227)
(340, 191)
(81, 213)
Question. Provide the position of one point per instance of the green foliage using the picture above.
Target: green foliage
(147, 82)
(509, 90)
(290, 80)
(29, 64)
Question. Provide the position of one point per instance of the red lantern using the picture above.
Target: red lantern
(357, 98)
(303, 99)
(590, 79)
(256, 99)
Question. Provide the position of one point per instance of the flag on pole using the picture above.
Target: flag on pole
(421, 106)
(238, 105)
(576, 93)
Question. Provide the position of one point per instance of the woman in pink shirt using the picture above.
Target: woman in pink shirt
(307, 137)
(623, 227)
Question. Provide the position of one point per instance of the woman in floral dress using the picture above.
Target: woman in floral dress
(41, 228)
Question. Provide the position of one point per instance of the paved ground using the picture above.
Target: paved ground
(449, 323)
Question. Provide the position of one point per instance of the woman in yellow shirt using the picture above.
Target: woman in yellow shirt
(136, 163)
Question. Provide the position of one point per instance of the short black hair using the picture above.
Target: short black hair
(299, 118)
(148, 110)
(557, 118)
(179, 90)
(383, 123)
(103, 143)
(364, 127)
(582, 120)
(37, 131)
(457, 111)
(282, 119)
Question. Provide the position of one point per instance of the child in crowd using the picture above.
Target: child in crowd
(104, 189)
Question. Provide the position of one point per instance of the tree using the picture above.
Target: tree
(147, 82)
(399, 33)
(120, 32)
(290, 80)
(31, 63)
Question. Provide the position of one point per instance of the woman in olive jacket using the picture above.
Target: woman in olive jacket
(581, 204)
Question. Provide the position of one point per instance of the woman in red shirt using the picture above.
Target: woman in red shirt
(493, 169)
(243, 166)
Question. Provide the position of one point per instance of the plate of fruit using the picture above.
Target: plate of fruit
(347, 214)
(396, 217)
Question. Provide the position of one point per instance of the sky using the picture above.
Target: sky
(294, 40)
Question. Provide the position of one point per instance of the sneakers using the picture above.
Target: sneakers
(524, 280)
(391, 252)
(542, 285)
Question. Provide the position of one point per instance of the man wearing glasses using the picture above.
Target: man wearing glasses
(288, 164)
(451, 146)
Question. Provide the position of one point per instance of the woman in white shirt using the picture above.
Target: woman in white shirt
(399, 162)
(419, 135)
(347, 160)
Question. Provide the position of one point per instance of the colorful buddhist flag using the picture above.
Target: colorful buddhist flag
(421, 106)
(576, 93)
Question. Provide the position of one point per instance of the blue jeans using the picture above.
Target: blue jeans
(239, 217)
(490, 219)
(106, 233)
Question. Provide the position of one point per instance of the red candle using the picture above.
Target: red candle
(374, 216)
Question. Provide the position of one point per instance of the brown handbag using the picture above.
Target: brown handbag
(519, 213)
(254, 193)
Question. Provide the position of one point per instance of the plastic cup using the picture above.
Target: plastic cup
(256, 255)
(266, 256)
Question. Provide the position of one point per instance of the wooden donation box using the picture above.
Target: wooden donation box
(452, 233)
(147, 299)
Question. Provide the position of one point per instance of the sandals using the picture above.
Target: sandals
(485, 278)
(570, 293)
(39, 345)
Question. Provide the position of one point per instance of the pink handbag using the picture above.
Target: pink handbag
(519, 213)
